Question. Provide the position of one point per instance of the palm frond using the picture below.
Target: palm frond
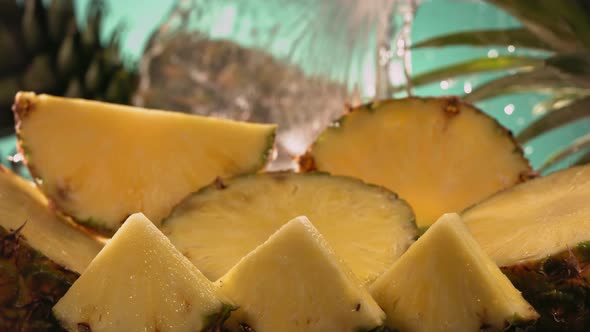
(480, 65)
(577, 110)
(562, 24)
(517, 37)
(578, 145)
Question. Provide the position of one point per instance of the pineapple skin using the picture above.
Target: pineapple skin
(30, 284)
(558, 287)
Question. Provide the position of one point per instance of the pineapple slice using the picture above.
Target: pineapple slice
(295, 282)
(368, 226)
(100, 162)
(445, 282)
(139, 282)
(539, 233)
(41, 255)
(440, 154)
(23, 207)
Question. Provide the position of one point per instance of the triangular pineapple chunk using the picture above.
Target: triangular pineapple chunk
(445, 282)
(139, 282)
(294, 282)
(87, 155)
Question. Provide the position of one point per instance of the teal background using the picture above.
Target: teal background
(434, 17)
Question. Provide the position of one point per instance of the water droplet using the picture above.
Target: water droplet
(492, 53)
(444, 85)
(511, 48)
(528, 150)
(467, 87)
(509, 109)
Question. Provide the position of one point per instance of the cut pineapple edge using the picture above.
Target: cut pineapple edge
(101, 162)
(23, 208)
(440, 154)
(295, 282)
(369, 227)
(535, 219)
(140, 282)
(445, 282)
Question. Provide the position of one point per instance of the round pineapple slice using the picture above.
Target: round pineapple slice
(539, 233)
(100, 163)
(367, 226)
(440, 154)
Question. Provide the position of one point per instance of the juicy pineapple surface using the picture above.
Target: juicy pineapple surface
(23, 207)
(295, 282)
(439, 154)
(535, 219)
(368, 226)
(539, 233)
(445, 282)
(139, 282)
(101, 162)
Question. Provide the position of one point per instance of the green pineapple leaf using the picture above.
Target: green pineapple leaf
(578, 145)
(33, 26)
(556, 118)
(545, 79)
(475, 66)
(518, 37)
(562, 24)
(583, 160)
(60, 15)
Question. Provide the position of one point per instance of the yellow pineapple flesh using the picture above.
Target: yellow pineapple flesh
(139, 282)
(23, 207)
(446, 283)
(295, 282)
(368, 226)
(101, 162)
(535, 219)
(439, 154)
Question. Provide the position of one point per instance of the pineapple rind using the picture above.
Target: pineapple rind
(30, 284)
(558, 287)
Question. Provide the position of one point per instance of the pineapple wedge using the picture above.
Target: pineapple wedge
(446, 283)
(440, 154)
(368, 226)
(139, 282)
(100, 162)
(23, 207)
(539, 233)
(294, 282)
